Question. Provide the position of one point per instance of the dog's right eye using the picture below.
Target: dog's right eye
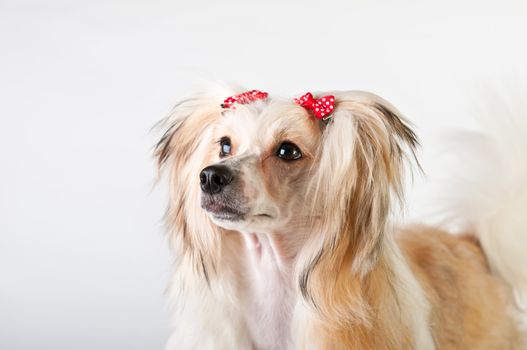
(288, 151)
(225, 147)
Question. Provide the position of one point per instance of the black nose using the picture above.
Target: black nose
(214, 178)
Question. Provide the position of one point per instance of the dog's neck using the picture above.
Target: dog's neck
(269, 288)
(270, 248)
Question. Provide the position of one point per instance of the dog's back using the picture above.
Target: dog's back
(470, 307)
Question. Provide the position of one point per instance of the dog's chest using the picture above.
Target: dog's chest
(269, 302)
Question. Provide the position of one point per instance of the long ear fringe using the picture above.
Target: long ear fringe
(181, 149)
(362, 156)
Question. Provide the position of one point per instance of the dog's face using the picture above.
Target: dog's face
(258, 164)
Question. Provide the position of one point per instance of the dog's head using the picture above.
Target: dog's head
(258, 161)
(271, 166)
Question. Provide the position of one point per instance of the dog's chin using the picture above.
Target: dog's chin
(226, 217)
(243, 223)
(232, 219)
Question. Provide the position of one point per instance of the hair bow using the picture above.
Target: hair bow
(322, 107)
(244, 98)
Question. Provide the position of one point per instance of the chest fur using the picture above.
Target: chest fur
(268, 298)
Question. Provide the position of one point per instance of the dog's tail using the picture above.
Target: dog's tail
(487, 185)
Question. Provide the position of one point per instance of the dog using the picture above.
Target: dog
(280, 220)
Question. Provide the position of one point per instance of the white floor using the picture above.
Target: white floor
(83, 262)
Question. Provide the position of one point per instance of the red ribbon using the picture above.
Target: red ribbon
(244, 98)
(322, 107)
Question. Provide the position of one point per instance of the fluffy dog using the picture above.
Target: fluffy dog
(279, 217)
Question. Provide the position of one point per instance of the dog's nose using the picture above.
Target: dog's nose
(214, 178)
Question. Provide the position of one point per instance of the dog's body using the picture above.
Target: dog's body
(285, 242)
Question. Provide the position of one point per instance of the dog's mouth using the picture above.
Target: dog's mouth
(222, 209)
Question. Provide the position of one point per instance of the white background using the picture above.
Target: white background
(83, 261)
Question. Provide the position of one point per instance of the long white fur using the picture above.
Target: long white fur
(206, 318)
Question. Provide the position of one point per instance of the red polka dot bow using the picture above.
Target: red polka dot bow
(322, 107)
(244, 98)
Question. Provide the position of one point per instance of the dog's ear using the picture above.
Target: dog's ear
(182, 149)
(183, 127)
(360, 170)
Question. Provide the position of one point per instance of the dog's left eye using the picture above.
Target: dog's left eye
(288, 151)
(225, 147)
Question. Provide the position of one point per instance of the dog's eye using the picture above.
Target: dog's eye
(225, 147)
(288, 151)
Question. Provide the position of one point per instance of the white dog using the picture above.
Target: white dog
(279, 220)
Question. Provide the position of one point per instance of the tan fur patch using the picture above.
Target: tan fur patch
(471, 309)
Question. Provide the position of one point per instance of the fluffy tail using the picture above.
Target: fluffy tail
(486, 179)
